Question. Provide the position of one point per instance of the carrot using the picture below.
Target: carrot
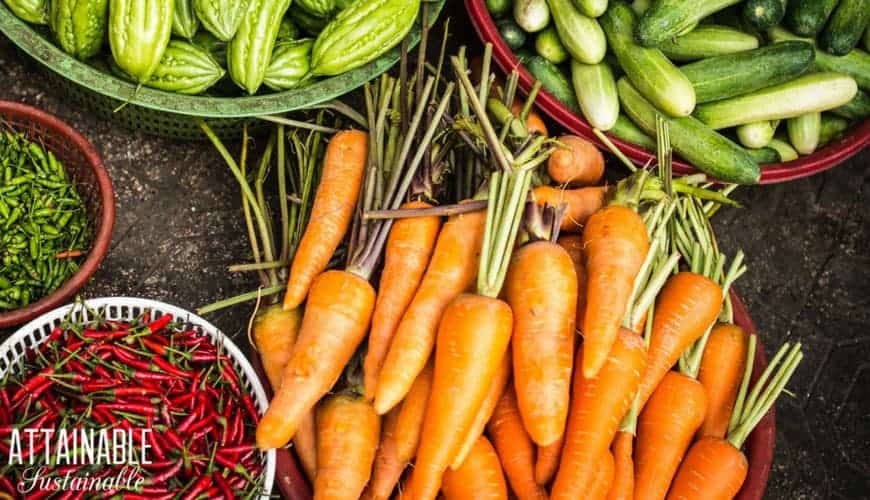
(347, 436)
(721, 369)
(580, 203)
(547, 462)
(341, 178)
(479, 478)
(573, 244)
(603, 478)
(665, 428)
(615, 243)
(387, 468)
(686, 306)
(451, 271)
(472, 341)
(722, 467)
(622, 487)
(409, 247)
(275, 333)
(577, 162)
(541, 288)
(411, 413)
(305, 443)
(336, 320)
(493, 395)
(598, 404)
(534, 122)
(514, 447)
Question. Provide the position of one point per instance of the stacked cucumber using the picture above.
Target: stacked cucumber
(741, 83)
(225, 47)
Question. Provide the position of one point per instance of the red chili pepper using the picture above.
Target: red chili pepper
(248, 403)
(178, 402)
(139, 409)
(55, 334)
(97, 385)
(166, 366)
(39, 493)
(7, 486)
(202, 484)
(242, 448)
(229, 374)
(225, 487)
(150, 376)
(32, 384)
(155, 446)
(4, 397)
(160, 323)
(206, 357)
(203, 423)
(154, 346)
(49, 402)
(78, 367)
(173, 439)
(237, 428)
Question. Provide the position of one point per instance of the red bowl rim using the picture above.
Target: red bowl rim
(826, 158)
(106, 223)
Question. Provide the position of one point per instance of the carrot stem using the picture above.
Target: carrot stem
(238, 299)
(299, 124)
(258, 266)
(441, 210)
(282, 195)
(337, 106)
(530, 100)
(615, 150)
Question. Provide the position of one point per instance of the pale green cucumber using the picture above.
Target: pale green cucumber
(855, 64)
(786, 152)
(804, 132)
(581, 35)
(596, 92)
(756, 135)
(708, 40)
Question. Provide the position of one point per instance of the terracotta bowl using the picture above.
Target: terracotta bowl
(85, 168)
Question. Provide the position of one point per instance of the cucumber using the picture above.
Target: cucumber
(757, 134)
(763, 14)
(764, 155)
(710, 151)
(671, 18)
(640, 6)
(731, 75)
(626, 130)
(786, 152)
(847, 24)
(553, 80)
(513, 35)
(523, 55)
(657, 79)
(856, 109)
(867, 38)
(832, 128)
(855, 64)
(708, 40)
(532, 15)
(596, 92)
(498, 7)
(581, 35)
(804, 132)
(548, 45)
(591, 8)
(808, 17)
(806, 94)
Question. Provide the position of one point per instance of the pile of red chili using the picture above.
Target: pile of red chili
(146, 373)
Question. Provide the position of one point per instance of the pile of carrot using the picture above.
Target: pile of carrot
(504, 323)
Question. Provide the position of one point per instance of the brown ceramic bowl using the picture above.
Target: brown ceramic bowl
(85, 168)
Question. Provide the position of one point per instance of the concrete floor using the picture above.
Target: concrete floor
(807, 244)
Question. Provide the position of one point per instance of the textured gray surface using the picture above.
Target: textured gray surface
(807, 246)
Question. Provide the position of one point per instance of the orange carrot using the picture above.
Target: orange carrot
(576, 162)
(615, 243)
(347, 436)
(305, 444)
(573, 243)
(472, 341)
(547, 462)
(336, 320)
(406, 255)
(665, 428)
(514, 447)
(597, 407)
(712, 470)
(534, 122)
(275, 333)
(722, 368)
(493, 395)
(334, 203)
(622, 487)
(602, 479)
(387, 468)
(479, 478)
(686, 306)
(451, 271)
(541, 288)
(580, 203)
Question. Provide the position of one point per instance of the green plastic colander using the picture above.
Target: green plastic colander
(174, 115)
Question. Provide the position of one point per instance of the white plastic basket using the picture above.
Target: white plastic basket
(119, 308)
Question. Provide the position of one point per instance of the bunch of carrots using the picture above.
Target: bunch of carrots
(480, 317)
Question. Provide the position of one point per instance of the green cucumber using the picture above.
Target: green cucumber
(786, 152)
(581, 35)
(856, 109)
(708, 40)
(648, 69)
(667, 19)
(550, 47)
(513, 35)
(847, 24)
(735, 74)
(867, 38)
(626, 130)
(763, 14)
(591, 8)
(806, 94)
(855, 64)
(804, 132)
(832, 128)
(808, 17)
(710, 151)
(523, 55)
(596, 92)
(532, 15)
(757, 134)
(554, 81)
(640, 6)
(764, 155)
(498, 7)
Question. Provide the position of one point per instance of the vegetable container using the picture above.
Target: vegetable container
(85, 168)
(175, 115)
(121, 308)
(837, 151)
